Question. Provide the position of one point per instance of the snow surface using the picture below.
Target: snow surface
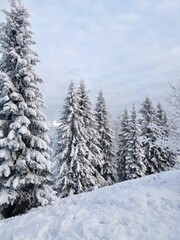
(145, 208)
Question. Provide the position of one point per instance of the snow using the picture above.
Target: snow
(5, 197)
(145, 208)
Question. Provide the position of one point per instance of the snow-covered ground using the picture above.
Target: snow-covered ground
(146, 208)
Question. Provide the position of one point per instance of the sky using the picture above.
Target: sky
(127, 48)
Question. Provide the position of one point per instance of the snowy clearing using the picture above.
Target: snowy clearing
(146, 208)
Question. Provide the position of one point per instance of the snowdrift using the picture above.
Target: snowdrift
(146, 208)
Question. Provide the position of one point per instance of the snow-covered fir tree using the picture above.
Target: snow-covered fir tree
(74, 156)
(156, 132)
(89, 123)
(149, 135)
(174, 101)
(116, 129)
(109, 169)
(165, 151)
(123, 140)
(135, 166)
(174, 114)
(24, 143)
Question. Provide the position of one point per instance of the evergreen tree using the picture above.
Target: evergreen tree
(174, 101)
(135, 166)
(116, 128)
(109, 171)
(76, 173)
(122, 153)
(159, 152)
(148, 122)
(165, 152)
(89, 123)
(24, 144)
(174, 117)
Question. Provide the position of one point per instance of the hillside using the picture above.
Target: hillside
(146, 208)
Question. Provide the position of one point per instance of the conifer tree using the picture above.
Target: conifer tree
(159, 152)
(165, 152)
(116, 128)
(174, 116)
(24, 143)
(122, 152)
(76, 173)
(109, 169)
(149, 135)
(174, 101)
(89, 123)
(135, 166)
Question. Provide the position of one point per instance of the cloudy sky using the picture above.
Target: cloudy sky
(127, 48)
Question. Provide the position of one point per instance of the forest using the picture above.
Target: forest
(85, 150)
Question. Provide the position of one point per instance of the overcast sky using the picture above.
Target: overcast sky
(127, 48)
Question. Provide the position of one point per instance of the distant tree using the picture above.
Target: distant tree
(89, 122)
(174, 100)
(174, 103)
(109, 169)
(149, 135)
(157, 144)
(75, 171)
(122, 153)
(165, 151)
(135, 166)
(116, 128)
(24, 144)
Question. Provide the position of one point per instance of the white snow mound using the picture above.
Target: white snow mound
(145, 208)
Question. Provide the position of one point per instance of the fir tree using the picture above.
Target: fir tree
(122, 152)
(149, 136)
(174, 116)
(89, 123)
(108, 171)
(159, 152)
(135, 166)
(24, 144)
(165, 152)
(76, 173)
(117, 127)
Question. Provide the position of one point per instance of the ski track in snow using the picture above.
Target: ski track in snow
(146, 208)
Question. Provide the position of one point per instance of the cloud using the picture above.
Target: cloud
(164, 7)
(127, 48)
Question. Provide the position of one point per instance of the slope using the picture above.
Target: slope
(145, 208)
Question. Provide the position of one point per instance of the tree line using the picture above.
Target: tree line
(84, 153)
(84, 149)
